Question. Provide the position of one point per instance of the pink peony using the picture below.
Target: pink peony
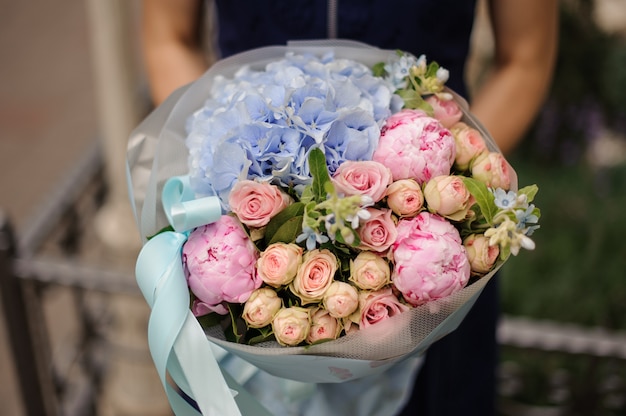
(481, 255)
(447, 112)
(362, 178)
(378, 232)
(341, 299)
(323, 326)
(431, 262)
(415, 146)
(378, 306)
(314, 276)
(255, 203)
(448, 196)
(405, 198)
(493, 170)
(291, 326)
(219, 261)
(279, 263)
(260, 309)
(469, 145)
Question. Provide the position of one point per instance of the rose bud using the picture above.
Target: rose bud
(447, 112)
(260, 308)
(369, 271)
(279, 263)
(481, 255)
(405, 197)
(323, 326)
(448, 196)
(469, 145)
(493, 170)
(291, 326)
(341, 299)
(255, 203)
(362, 178)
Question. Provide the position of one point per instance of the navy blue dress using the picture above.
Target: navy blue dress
(458, 375)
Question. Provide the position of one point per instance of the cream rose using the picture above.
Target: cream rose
(482, 257)
(469, 145)
(369, 271)
(291, 326)
(448, 196)
(314, 276)
(278, 264)
(260, 309)
(323, 326)
(493, 170)
(341, 299)
(405, 197)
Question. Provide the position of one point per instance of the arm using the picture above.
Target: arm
(173, 53)
(525, 34)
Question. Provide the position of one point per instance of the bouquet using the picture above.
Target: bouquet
(330, 206)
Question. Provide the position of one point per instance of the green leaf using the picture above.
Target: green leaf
(232, 332)
(288, 231)
(294, 210)
(212, 319)
(412, 99)
(530, 192)
(260, 335)
(484, 198)
(379, 70)
(162, 230)
(319, 172)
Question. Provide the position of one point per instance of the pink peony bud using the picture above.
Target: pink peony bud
(415, 146)
(314, 276)
(369, 271)
(378, 232)
(323, 326)
(260, 308)
(447, 112)
(291, 326)
(481, 255)
(430, 260)
(448, 196)
(279, 263)
(405, 198)
(255, 203)
(493, 170)
(469, 145)
(378, 306)
(219, 261)
(362, 178)
(341, 299)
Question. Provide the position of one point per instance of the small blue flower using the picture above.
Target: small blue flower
(503, 199)
(526, 220)
(312, 238)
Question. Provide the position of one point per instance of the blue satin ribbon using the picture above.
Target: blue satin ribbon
(182, 354)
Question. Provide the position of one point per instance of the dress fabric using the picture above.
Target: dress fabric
(457, 376)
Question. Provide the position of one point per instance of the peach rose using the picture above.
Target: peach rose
(341, 299)
(469, 145)
(260, 308)
(481, 255)
(448, 196)
(323, 326)
(369, 271)
(405, 197)
(278, 263)
(378, 232)
(493, 170)
(314, 276)
(447, 112)
(255, 203)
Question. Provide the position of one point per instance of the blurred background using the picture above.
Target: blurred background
(72, 340)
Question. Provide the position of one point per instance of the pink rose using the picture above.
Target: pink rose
(469, 145)
(291, 326)
(405, 198)
(493, 170)
(279, 263)
(378, 232)
(447, 112)
(219, 261)
(378, 306)
(362, 178)
(448, 196)
(314, 276)
(430, 260)
(323, 326)
(369, 271)
(341, 299)
(260, 309)
(415, 146)
(481, 255)
(255, 203)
